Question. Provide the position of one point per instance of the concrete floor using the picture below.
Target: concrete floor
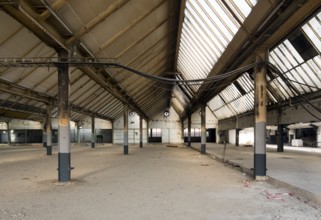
(156, 182)
(297, 168)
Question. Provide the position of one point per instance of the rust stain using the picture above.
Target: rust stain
(63, 121)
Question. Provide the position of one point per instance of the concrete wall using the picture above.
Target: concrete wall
(171, 127)
(232, 136)
(133, 130)
(247, 136)
(99, 123)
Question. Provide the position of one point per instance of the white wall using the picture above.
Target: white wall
(133, 130)
(247, 136)
(99, 123)
(171, 127)
(211, 120)
(232, 136)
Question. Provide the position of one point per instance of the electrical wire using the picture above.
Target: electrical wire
(207, 79)
(294, 90)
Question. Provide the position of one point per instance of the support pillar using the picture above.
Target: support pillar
(189, 127)
(8, 134)
(92, 132)
(44, 134)
(125, 129)
(260, 117)
(280, 139)
(182, 130)
(48, 131)
(140, 132)
(147, 131)
(63, 118)
(78, 134)
(203, 129)
(237, 137)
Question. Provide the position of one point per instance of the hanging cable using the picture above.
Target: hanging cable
(207, 79)
(294, 90)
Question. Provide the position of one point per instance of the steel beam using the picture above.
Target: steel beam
(64, 167)
(29, 18)
(240, 50)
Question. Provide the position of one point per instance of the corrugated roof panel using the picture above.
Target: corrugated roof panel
(241, 8)
(293, 77)
(313, 30)
(216, 103)
(230, 93)
(246, 82)
(291, 53)
(207, 29)
(223, 112)
(271, 98)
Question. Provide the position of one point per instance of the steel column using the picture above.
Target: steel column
(48, 129)
(189, 127)
(78, 134)
(8, 134)
(280, 139)
(140, 131)
(182, 128)
(63, 118)
(203, 129)
(44, 135)
(260, 117)
(92, 132)
(237, 137)
(125, 129)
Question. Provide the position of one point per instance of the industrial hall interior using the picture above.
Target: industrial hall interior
(160, 109)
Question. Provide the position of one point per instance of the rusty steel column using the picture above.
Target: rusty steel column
(92, 132)
(125, 129)
(63, 118)
(260, 117)
(189, 127)
(48, 130)
(203, 129)
(140, 132)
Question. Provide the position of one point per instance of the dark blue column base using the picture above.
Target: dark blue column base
(141, 144)
(203, 148)
(259, 165)
(49, 150)
(64, 167)
(125, 149)
(92, 145)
